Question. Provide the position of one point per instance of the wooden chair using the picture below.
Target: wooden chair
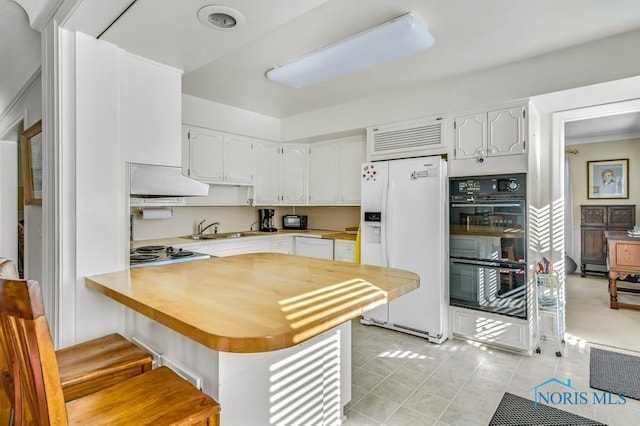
(84, 368)
(156, 397)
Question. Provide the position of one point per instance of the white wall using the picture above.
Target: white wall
(629, 149)
(213, 115)
(99, 182)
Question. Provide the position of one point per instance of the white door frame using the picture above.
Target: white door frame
(559, 119)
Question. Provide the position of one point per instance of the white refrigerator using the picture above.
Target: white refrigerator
(404, 224)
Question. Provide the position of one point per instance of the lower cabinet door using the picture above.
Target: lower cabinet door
(314, 247)
(593, 245)
(490, 329)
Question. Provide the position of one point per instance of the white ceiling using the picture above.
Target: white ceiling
(229, 66)
(470, 35)
(19, 51)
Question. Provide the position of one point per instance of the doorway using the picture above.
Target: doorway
(587, 300)
(12, 206)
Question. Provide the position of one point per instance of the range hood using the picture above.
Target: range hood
(152, 181)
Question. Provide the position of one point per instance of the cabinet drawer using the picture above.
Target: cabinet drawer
(314, 247)
(593, 216)
(621, 217)
(491, 329)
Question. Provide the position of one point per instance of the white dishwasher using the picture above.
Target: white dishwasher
(314, 247)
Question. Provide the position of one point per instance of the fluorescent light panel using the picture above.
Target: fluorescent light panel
(399, 37)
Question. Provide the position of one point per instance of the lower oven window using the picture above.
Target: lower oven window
(489, 274)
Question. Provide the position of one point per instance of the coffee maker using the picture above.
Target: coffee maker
(266, 220)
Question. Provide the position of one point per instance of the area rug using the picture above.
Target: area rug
(514, 410)
(614, 372)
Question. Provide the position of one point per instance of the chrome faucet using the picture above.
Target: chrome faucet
(201, 229)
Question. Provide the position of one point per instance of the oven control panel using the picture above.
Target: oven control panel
(488, 187)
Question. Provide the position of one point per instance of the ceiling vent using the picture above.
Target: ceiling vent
(407, 139)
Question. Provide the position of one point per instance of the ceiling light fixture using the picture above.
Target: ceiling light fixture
(394, 39)
(220, 17)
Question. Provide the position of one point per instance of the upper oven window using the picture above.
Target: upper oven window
(490, 217)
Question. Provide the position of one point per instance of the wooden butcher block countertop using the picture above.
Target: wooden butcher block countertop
(340, 236)
(254, 302)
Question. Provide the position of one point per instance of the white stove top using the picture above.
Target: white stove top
(162, 255)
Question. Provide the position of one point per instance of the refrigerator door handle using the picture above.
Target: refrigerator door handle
(385, 224)
(492, 265)
(486, 205)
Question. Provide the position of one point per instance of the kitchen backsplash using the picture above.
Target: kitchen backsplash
(184, 220)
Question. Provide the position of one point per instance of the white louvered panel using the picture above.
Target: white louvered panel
(406, 139)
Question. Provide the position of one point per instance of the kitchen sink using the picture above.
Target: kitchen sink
(220, 236)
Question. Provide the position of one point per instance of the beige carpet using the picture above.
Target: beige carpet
(589, 318)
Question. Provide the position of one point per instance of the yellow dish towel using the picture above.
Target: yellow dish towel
(358, 245)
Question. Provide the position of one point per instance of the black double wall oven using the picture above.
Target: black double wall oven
(487, 244)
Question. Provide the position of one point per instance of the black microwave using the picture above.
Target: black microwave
(294, 221)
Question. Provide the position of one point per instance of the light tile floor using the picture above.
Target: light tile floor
(399, 379)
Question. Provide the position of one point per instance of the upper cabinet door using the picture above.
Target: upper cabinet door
(206, 151)
(334, 171)
(239, 160)
(351, 155)
(506, 131)
(267, 186)
(150, 108)
(323, 174)
(293, 174)
(471, 136)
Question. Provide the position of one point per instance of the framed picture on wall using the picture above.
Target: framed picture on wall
(31, 151)
(608, 179)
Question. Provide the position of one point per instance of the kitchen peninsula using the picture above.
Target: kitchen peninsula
(267, 334)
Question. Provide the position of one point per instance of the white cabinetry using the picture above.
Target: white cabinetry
(314, 247)
(229, 248)
(149, 109)
(334, 171)
(282, 245)
(491, 133)
(239, 160)
(215, 157)
(491, 329)
(281, 174)
(344, 250)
